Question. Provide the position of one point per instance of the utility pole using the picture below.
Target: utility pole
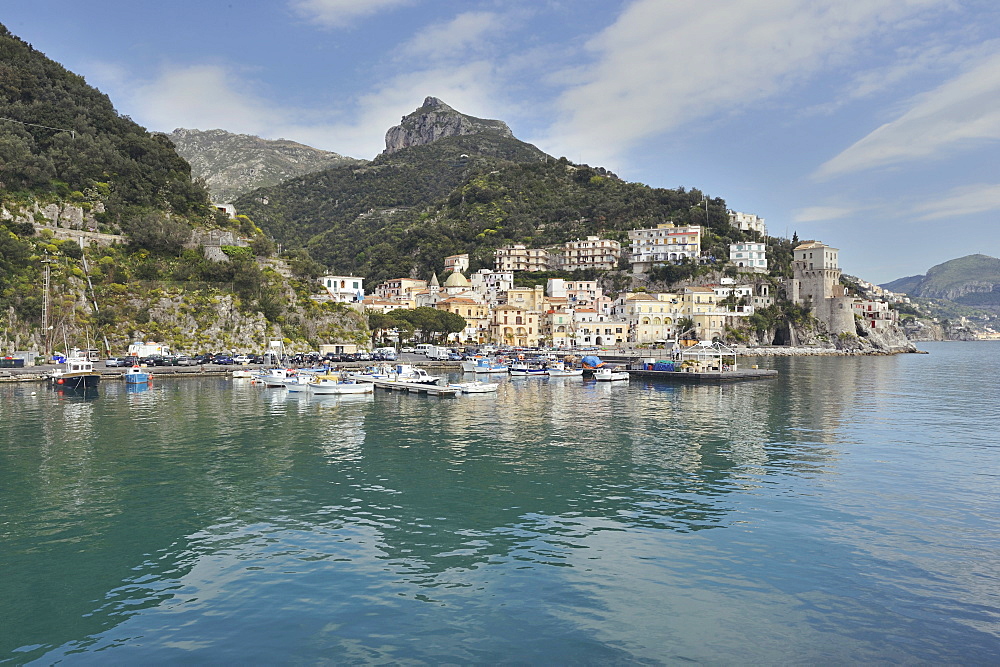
(45, 306)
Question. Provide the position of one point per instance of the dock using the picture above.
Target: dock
(412, 387)
(693, 377)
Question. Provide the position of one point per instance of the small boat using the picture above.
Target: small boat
(77, 374)
(137, 375)
(326, 386)
(483, 365)
(475, 387)
(558, 369)
(610, 375)
(524, 370)
(298, 383)
(275, 377)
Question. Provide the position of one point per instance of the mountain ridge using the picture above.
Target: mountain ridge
(972, 280)
(232, 164)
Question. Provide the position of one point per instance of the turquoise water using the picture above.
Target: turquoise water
(847, 512)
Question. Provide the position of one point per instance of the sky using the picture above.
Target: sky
(869, 125)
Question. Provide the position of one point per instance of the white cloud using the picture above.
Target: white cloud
(959, 113)
(341, 13)
(203, 97)
(820, 213)
(463, 33)
(965, 200)
(662, 65)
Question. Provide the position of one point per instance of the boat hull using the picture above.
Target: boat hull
(82, 381)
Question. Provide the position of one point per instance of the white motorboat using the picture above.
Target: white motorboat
(475, 387)
(275, 377)
(326, 386)
(483, 366)
(610, 375)
(558, 369)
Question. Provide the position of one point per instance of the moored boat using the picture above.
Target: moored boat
(475, 387)
(560, 370)
(608, 374)
(137, 375)
(332, 386)
(78, 373)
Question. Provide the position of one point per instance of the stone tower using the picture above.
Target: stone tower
(816, 285)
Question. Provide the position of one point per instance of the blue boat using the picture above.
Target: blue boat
(137, 375)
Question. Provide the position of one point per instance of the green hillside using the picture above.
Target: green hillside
(69, 162)
(404, 212)
(60, 136)
(973, 280)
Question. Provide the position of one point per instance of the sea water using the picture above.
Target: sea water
(846, 512)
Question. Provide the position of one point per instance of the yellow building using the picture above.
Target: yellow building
(701, 305)
(476, 317)
(514, 325)
(528, 298)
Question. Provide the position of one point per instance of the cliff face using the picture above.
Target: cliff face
(233, 164)
(436, 120)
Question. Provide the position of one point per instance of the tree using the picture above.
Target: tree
(157, 232)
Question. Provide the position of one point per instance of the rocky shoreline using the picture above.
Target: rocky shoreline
(784, 351)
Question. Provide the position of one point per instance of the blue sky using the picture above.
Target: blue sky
(870, 125)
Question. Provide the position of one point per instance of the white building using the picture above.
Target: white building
(459, 263)
(344, 289)
(749, 255)
(590, 253)
(748, 222)
(593, 328)
(663, 244)
(521, 258)
(492, 285)
(577, 293)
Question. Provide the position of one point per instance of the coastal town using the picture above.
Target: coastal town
(566, 313)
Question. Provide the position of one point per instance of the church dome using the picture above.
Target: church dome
(456, 279)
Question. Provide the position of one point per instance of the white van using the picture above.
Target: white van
(422, 348)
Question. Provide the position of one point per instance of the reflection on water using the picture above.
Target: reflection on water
(560, 520)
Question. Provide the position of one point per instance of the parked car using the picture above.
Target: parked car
(411, 350)
(152, 360)
(186, 361)
(454, 356)
(241, 359)
(114, 361)
(223, 360)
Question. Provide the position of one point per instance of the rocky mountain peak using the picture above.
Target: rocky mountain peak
(436, 120)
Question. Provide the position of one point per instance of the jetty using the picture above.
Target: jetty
(707, 376)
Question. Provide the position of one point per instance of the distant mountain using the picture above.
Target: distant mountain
(233, 164)
(973, 280)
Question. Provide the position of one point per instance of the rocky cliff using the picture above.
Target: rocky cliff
(233, 164)
(436, 120)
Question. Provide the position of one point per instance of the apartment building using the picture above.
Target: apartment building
(663, 244)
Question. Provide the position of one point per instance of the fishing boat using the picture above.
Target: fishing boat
(401, 373)
(325, 386)
(483, 365)
(137, 375)
(275, 377)
(522, 369)
(475, 387)
(78, 373)
(558, 369)
(608, 374)
(298, 383)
